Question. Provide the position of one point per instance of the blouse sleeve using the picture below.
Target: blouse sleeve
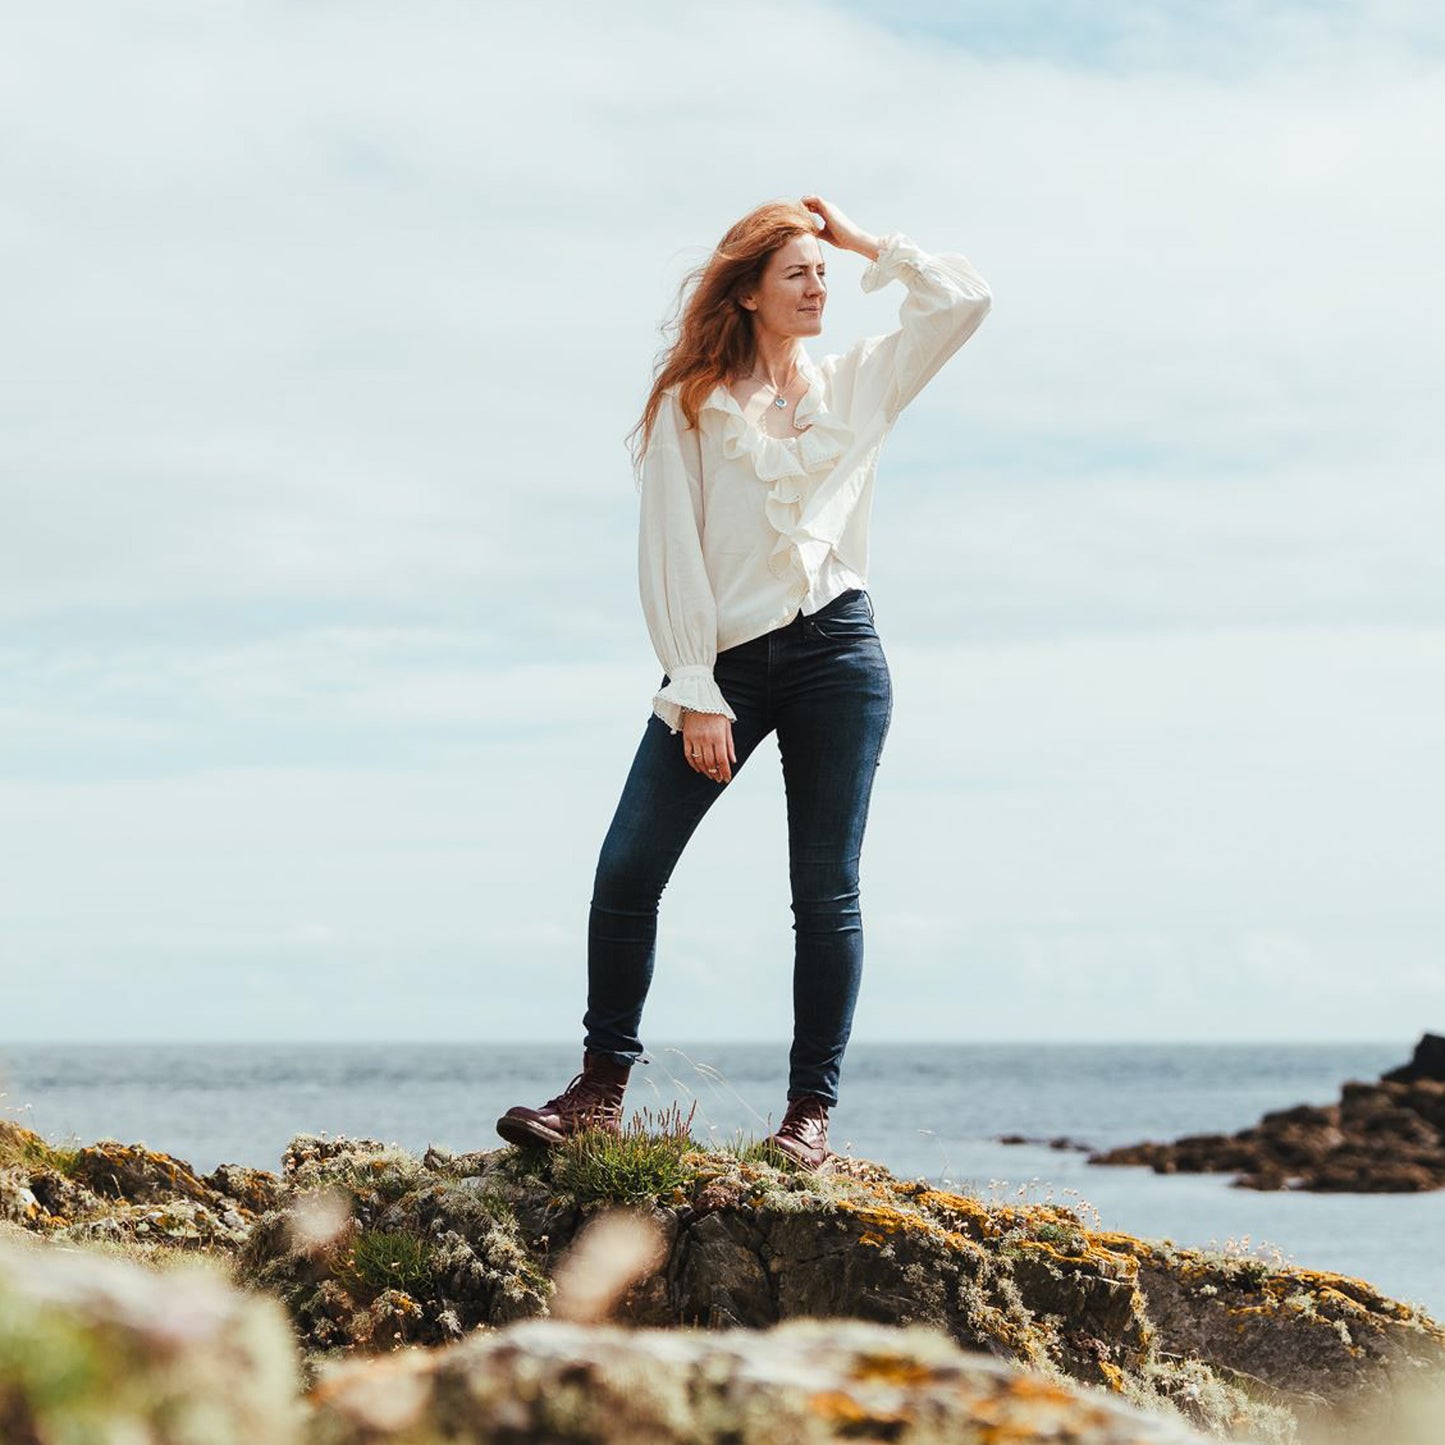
(677, 597)
(946, 303)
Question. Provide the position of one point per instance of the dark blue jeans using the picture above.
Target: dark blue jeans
(823, 683)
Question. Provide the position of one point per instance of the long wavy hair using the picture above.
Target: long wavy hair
(709, 330)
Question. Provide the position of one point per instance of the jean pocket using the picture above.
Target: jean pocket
(850, 623)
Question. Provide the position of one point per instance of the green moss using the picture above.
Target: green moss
(1070, 1241)
(382, 1259)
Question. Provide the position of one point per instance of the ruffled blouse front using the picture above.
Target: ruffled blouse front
(787, 466)
(741, 530)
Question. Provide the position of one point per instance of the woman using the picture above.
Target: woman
(757, 470)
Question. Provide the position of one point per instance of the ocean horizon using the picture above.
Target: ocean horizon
(933, 1111)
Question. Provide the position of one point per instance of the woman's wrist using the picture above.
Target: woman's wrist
(866, 246)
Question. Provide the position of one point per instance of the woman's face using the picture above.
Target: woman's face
(789, 299)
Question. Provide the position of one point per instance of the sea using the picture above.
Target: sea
(925, 1110)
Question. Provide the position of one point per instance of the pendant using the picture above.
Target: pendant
(780, 402)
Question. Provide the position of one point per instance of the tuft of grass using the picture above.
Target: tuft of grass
(382, 1259)
(757, 1151)
(35, 1154)
(643, 1162)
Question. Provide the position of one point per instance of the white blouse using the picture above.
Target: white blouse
(740, 530)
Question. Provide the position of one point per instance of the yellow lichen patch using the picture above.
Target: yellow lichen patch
(1103, 1261)
(963, 1214)
(869, 1238)
(892, 1370)
(1118, 1243)
(880, 1219)
(1295, 1293)
(841, 1408)
(1113, 1376)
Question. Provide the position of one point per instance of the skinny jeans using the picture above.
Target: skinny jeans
(822, 683)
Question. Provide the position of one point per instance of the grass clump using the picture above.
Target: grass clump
(748, 1150)
(381, 1259)
(643, 1162)
(20, 1148)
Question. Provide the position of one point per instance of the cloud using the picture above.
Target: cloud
(317, 595)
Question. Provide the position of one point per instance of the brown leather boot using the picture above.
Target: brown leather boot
(593, 1100)
(803, 1134)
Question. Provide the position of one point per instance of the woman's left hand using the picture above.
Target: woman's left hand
(839, 231)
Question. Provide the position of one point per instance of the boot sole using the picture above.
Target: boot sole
(823, 1166)
(522, 1133)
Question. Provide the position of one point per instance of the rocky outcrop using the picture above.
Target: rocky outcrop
(372, 1250)
(1342, 1357)
(126, 1194)
(101, 1349)
(1382, 1137)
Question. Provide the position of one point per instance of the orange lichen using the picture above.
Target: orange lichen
(841, 1408)
(892, 1370)
(882, 1220)
(1029, 1407)
(1113, 1376)
(1105, 1262)
(1039, 1387)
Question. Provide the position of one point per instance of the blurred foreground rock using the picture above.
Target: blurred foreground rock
(805, 1383)
(96, 1349)
(1381, 1137)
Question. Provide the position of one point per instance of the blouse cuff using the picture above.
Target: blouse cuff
(895, 251)
(693, 689)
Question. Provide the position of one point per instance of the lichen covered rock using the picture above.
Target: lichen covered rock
(1335, 1350)
(121, 1194)
(807, 1382)
(373, 1251)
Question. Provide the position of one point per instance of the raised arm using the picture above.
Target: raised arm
(946, 303)
(677, 597)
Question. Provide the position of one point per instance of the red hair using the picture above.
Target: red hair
(712, 330)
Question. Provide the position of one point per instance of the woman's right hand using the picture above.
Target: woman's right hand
(707, 744)
(839, 231)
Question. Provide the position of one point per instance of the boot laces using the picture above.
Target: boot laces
(582, 1090)
(804, 1116)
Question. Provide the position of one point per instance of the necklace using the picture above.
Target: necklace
(779, 400)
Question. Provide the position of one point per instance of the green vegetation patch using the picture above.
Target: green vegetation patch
(645, 1162)
(23, 1149)
(382, 1259)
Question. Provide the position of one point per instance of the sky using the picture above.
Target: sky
(321, 657)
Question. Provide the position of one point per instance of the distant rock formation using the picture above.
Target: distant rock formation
(1428, 1062)
(1383, 1137)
